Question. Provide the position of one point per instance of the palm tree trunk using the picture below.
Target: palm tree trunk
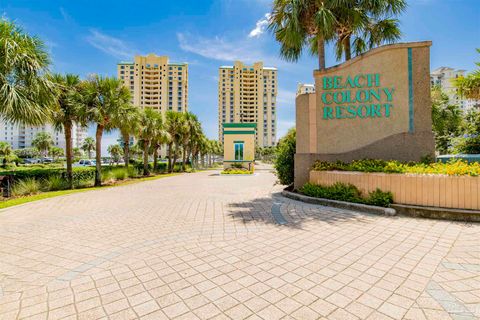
(321, 53)
(184, 158)
(348, 48)
(175, 156)
(126, 149)
(98, 156)
(170, 157)
(155, 156)
(145, 158)
(69, 153)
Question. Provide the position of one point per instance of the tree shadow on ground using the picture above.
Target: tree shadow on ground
(282, 211)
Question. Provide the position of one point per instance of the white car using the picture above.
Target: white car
(86, 163)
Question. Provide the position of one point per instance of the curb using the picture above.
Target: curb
(341, 204)
(463, 215)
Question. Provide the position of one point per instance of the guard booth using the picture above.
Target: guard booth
(239, 145)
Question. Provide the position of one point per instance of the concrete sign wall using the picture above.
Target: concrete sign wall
(376, 105)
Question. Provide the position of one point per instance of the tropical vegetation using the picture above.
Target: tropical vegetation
(454, 167)
(351, 25)
(30, 94)
(347, 192)
(284, 161)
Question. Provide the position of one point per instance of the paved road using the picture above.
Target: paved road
(208, 246)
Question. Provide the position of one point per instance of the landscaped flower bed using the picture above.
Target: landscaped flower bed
(450, 168)
(236, 171)
(448, 185)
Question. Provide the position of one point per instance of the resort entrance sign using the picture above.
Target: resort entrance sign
(358, 96)
(376, 105)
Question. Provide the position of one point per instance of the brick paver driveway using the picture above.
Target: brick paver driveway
(208, 246)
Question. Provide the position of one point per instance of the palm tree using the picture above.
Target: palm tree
(300, 23)
(365, 24)
(65, 112)
(56, 152)
(5, 151)
(150, 123)
(88, 146)
(43, 142)
(104, 97)
(190, 135)
(128, 124)
(77, 153)
(24, 93)
(161, 138)
(175, 126)
(116, 152)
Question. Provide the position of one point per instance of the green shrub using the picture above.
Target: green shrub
(26, 187)
(285, 154)
(108, 176)
(54, 183)
(86, 183)
(347, 192)
(119, 173)
(380, 198)
(132, 172)
(79, 173)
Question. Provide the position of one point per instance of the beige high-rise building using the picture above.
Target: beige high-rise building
(156, 83)
(248, 94)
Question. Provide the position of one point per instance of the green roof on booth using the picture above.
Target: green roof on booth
(240, 125)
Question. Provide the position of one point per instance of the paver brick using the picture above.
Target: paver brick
(199, 246)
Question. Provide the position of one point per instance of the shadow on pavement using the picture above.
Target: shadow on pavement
(281, 211)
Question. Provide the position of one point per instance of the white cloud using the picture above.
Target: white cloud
(110, 45)
(260, 26)
(217, 48)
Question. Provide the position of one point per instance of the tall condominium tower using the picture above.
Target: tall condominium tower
(248, 94)
(156, 83)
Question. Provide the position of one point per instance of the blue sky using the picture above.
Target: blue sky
(87, 37)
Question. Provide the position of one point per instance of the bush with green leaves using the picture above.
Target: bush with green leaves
(80, 173)
(285, 154)
(26, 187)
(347, 192)
(120, 173)
(54, 183)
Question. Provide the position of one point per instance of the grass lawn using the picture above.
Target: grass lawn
(51, 194)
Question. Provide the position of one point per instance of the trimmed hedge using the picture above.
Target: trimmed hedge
(347, 192)
(79, 173)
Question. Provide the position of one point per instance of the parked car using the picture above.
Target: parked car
(86, 163)
(46, 160)
(31, 161)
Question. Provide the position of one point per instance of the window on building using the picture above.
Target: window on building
(238, 151)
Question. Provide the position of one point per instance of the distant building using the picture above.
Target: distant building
(443, 77)
(20, 136)
(303, 88)
(247, 94)
(156, 83)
